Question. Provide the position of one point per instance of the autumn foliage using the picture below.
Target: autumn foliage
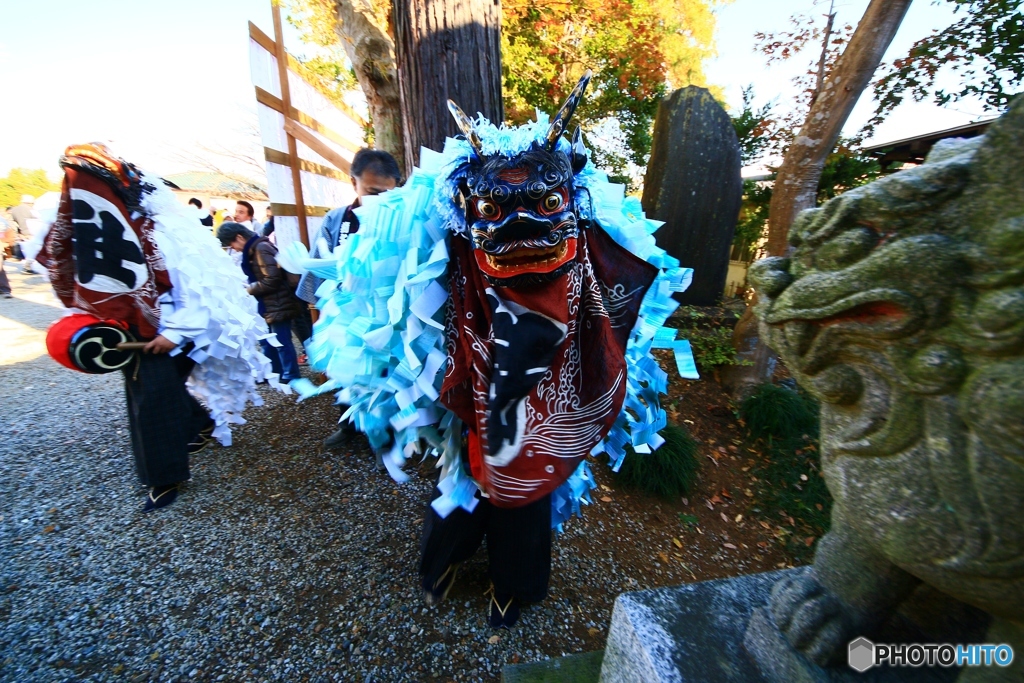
(638, 50)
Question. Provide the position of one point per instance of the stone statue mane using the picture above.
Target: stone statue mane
(901, 307)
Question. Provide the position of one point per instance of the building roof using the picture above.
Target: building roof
(218, 184)
(914, 150)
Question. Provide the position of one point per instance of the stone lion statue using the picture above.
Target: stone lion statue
(901, 308)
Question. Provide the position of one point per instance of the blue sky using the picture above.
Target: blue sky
(159, 77)
(738, 65)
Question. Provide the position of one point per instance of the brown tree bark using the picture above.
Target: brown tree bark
(796, 184)
(372, 53)
(446, 49)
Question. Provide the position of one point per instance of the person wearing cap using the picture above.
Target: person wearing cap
(269, 284)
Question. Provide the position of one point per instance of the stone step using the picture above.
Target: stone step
(720, 632)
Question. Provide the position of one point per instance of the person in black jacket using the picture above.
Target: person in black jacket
(268, 225)
(270, 286)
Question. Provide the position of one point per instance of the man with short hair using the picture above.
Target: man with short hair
(269, 284)
(206, 220)
(373, 171)
(246, 215)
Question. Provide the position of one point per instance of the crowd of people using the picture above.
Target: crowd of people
(22, 230)
(287, 301)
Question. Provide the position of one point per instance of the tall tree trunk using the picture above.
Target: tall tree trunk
(447, 49)
(796, 184)
(372, 53)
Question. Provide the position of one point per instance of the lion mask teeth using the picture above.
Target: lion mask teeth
(515, 260)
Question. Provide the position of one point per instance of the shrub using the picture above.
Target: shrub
(712, 346)
(668, 472)
(779, 412)
(710, 339)
(782, 425)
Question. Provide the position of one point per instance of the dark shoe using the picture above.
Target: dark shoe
(202, 440)
(341, 437)
(160, 497)
(504, 613)
(436, 594)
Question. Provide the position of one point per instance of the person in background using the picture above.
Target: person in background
(7, 236)
(269, 284)
(13, 238)
(204, 217)
(245, 215)
(373, 171)
(268, 225)
(219, 216)
(22, 214)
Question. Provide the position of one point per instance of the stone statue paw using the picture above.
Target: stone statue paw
(811, 617)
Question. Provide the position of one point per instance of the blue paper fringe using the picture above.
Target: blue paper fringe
(380, 334)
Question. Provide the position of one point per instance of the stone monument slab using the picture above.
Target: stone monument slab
(693, 184)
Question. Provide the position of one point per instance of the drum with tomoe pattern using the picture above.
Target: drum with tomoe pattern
(87, 344)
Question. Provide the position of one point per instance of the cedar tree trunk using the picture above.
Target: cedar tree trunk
(447, 49)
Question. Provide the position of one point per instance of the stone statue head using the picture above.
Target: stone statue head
(909, 289)
(901, 307)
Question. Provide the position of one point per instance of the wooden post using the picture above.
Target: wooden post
(289, 115)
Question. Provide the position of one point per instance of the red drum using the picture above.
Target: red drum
(85, 343)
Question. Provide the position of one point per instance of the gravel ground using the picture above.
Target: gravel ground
(278, 562)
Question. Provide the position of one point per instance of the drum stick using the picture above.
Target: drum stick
(131, 346)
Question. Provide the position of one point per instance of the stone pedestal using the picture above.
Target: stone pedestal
(718, 632)
(685, 634)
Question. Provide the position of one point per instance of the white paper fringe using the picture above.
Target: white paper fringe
(213, 311)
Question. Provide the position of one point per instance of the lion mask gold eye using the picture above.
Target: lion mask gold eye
(486, 208)
(552, 202)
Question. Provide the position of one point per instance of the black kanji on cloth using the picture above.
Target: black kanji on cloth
(100, 246)
(102, 257)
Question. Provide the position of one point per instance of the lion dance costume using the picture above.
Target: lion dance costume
(500, 306)
(133, 263)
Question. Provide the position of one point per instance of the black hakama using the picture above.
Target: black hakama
(162, 415)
